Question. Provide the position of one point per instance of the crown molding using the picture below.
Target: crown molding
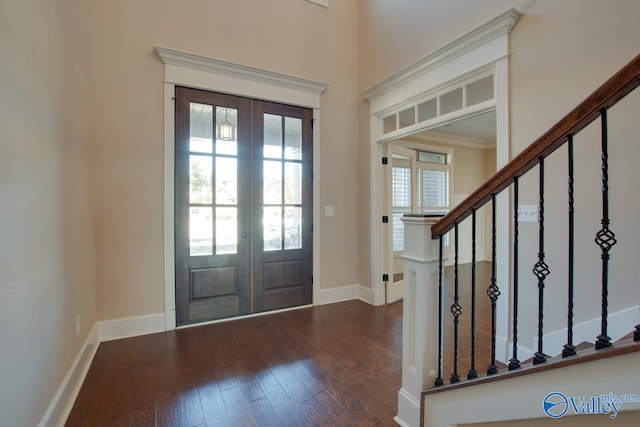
(496, 27)
(217, 66)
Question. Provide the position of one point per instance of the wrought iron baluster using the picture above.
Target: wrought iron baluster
(541, 269)
(569, 349)
(439, 380)
(493, 292)
(456, 310)
(514, 363)
(636, 333)
(472, 371)
(605, 238)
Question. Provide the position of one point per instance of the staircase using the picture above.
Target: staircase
(572, 280)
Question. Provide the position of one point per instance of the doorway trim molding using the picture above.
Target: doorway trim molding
(201, 72)
(484, 48)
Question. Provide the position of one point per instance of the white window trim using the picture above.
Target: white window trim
(196, 71)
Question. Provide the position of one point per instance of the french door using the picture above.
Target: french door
(243, 206)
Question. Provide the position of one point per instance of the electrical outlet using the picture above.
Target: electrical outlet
(78, 325)
(329, 211)
(527, 213)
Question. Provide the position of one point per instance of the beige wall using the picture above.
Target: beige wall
(46, 237)
(293, 37)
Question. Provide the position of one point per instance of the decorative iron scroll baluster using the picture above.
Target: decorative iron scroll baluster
(605, 238)
(569, 349)
(439, 380)
(514, 363)
(456, 310)
(472, 371)
(541, 269)
(636, 333)
(493, 292)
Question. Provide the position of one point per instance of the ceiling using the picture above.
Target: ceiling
(480, 128)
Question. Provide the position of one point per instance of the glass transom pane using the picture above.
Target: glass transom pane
(407, 117)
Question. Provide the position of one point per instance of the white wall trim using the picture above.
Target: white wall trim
(60, 406)
(480, 50)
(344, 293)
(131, 326)
(197, 71)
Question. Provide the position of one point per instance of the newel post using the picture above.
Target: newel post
(419, 316)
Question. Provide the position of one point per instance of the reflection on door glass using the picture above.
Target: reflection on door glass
(226, 181)
(293, 228)
(292, 183)
(226, 230)
(226, 131)
(293, 138)
(200, 231)
(200, 185)
(272, 178)
(272, 136)
(201, 128)
(272, 228)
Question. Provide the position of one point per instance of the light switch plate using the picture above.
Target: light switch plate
(527, 213)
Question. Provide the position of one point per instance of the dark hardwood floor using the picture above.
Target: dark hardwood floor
(333, 365)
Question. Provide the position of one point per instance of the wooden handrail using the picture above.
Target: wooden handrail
(607, 95)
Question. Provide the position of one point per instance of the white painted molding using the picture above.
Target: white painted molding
(496, 27)
(131, 326)
(454, 140)
(408, 410)
(344, 293)
(324, 3)
(60, 406)
(245, 72)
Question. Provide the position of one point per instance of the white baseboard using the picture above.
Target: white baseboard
(60, 406)
(131, 326)
(345, 293)
(408, 410)
(395, 291)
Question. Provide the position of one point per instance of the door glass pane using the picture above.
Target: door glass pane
(200, 231)
(226, 131)
(272, 136)
(226, 230)
(201, 128)
(226, 181)
(272, 228)
(292, 228)
(293, 138)
(272, 174)
(200, 181)
(292, 183)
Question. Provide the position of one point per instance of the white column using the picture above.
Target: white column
(419, 317)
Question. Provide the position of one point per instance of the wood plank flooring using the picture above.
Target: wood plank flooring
(332, 365)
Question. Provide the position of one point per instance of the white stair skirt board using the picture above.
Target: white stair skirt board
(60, 406)
(394, 291)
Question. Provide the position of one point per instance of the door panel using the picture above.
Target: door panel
(242, 206)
